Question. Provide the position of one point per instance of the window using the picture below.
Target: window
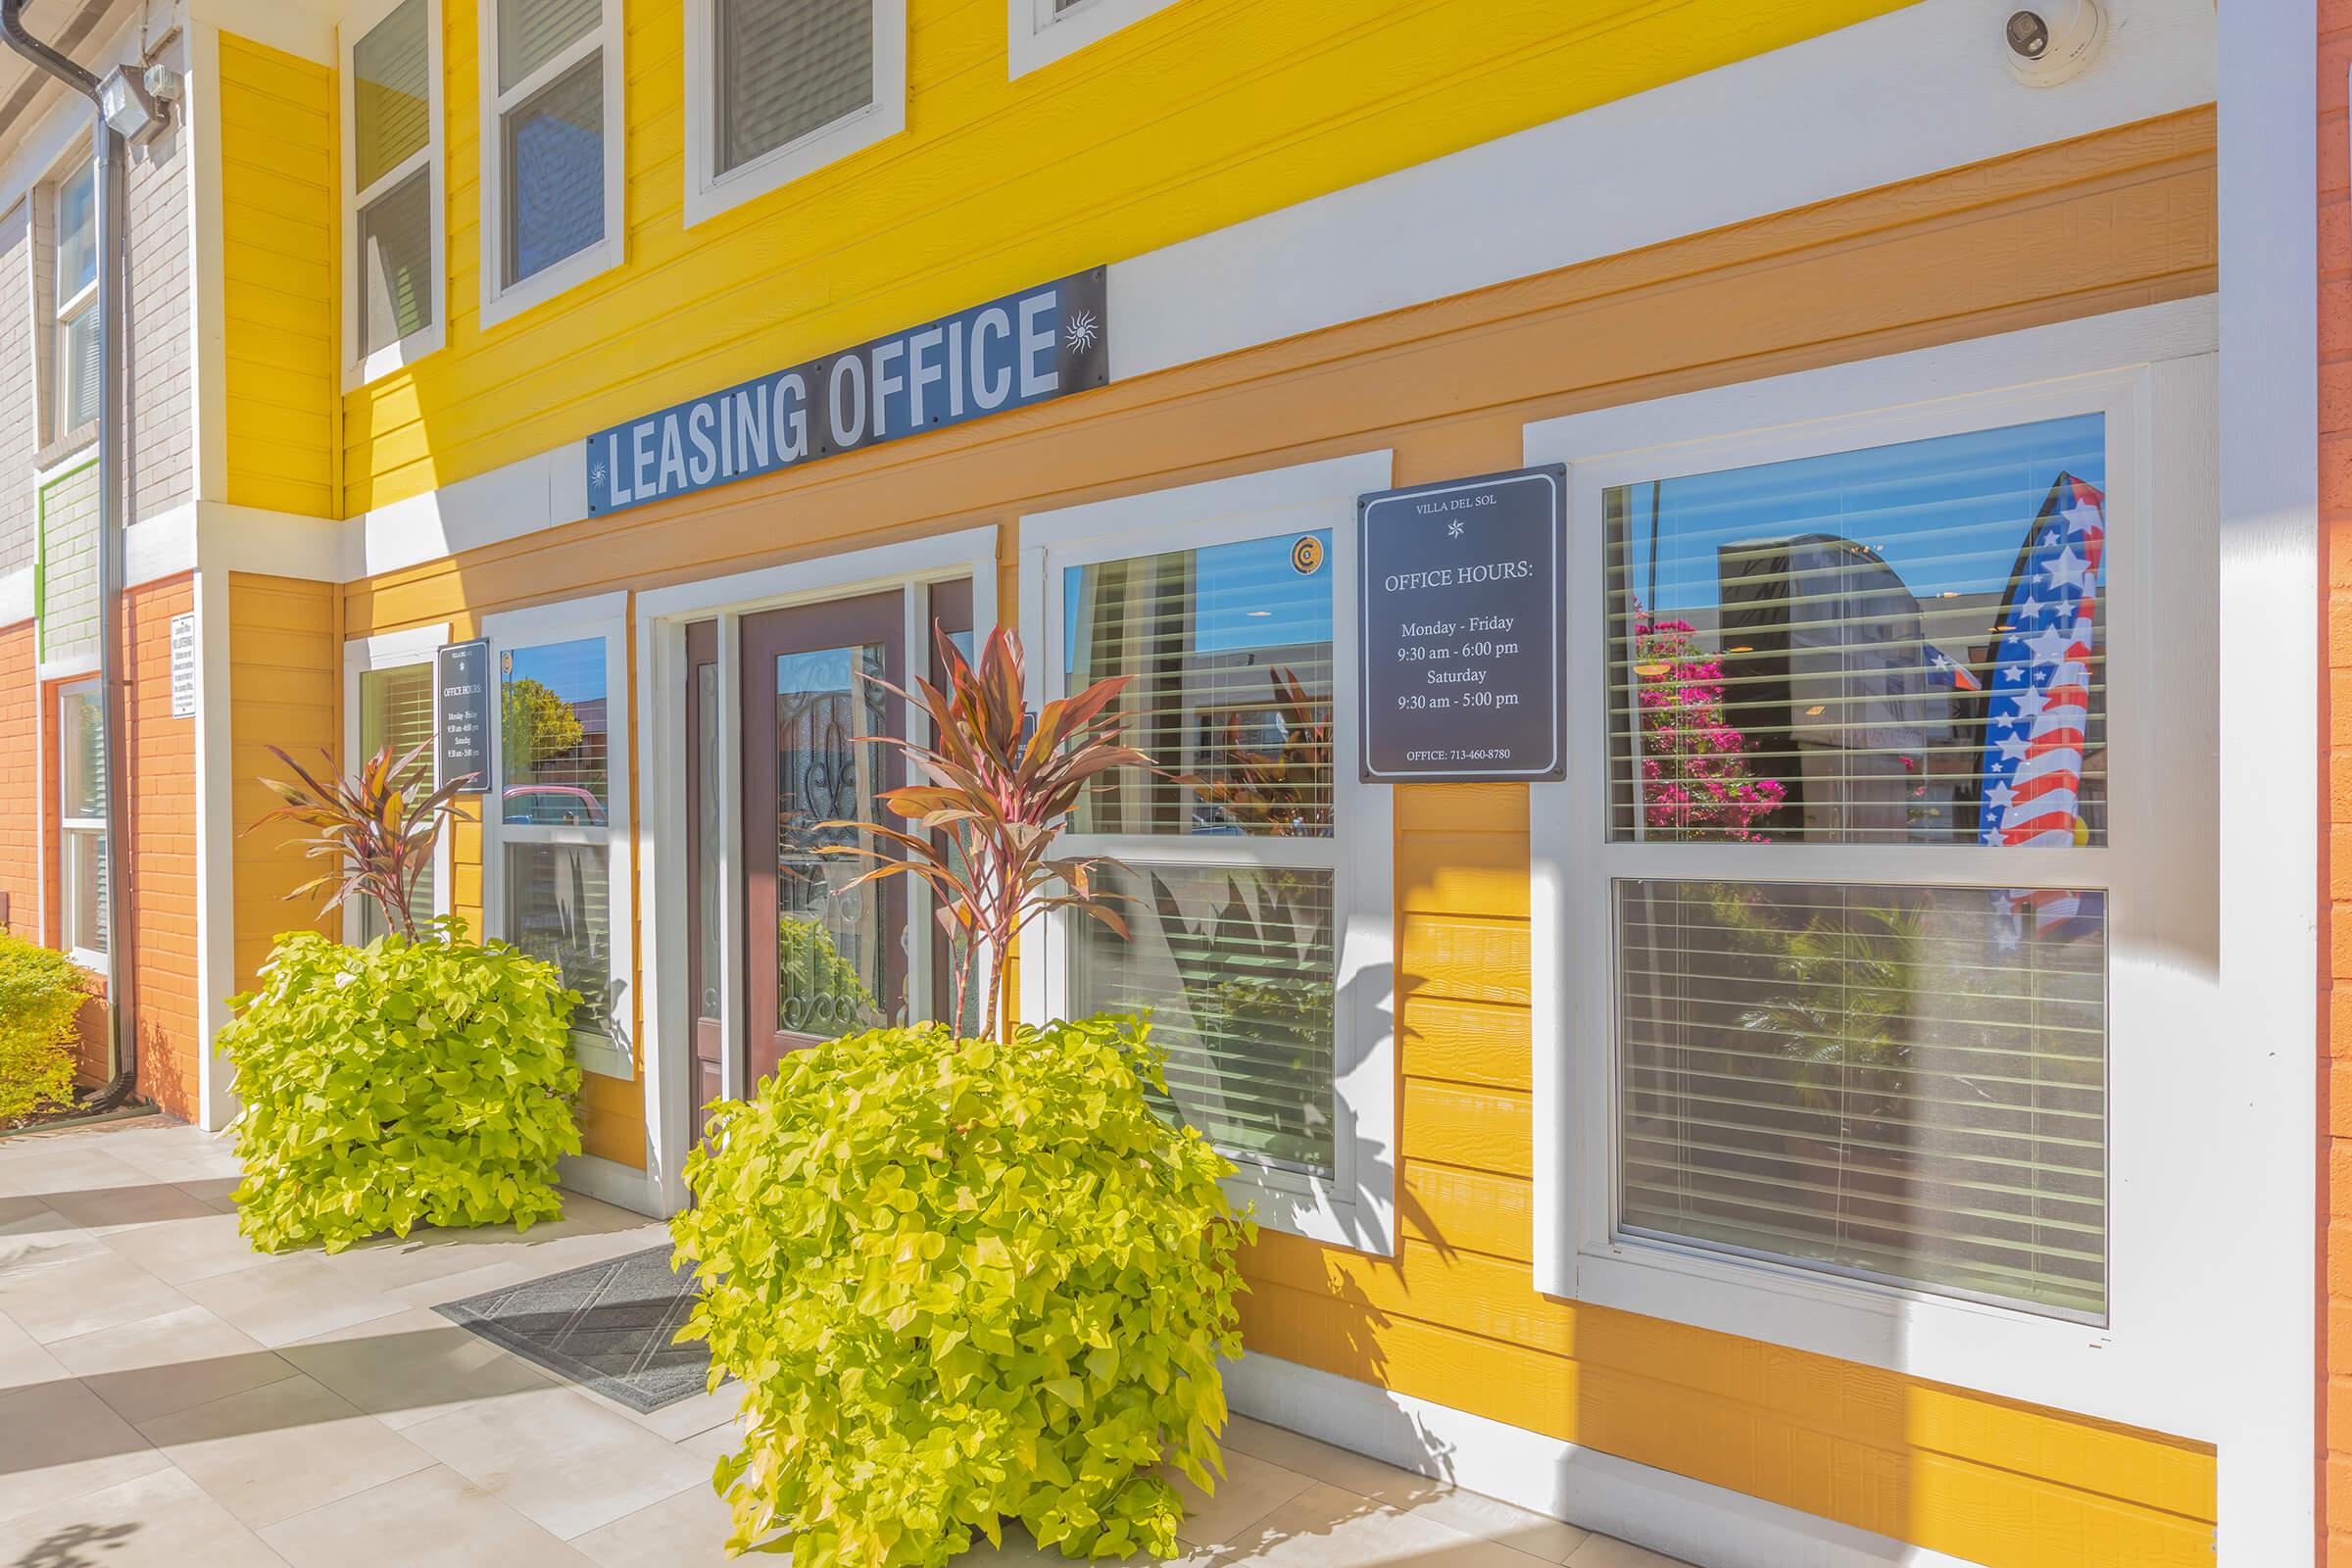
(396, 707)
(81, 823)
(393, 305)
(556, 866)
(552, 193)
(1899, 1075)
(76, 383)
(1254, 866)
(782, 88)
(1039, 32)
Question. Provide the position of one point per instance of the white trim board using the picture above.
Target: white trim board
(1798, 125)
(1691, 1520)
(610, 1182)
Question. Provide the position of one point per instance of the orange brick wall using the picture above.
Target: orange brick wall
(20, 784)
(2335, 55)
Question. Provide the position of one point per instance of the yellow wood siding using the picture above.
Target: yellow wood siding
(279, 220)
(1201, 115)
(285, 659)
(2114, 220)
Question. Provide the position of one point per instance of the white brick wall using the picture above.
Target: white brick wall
(19, 432)
(163, 450)
(69, 601)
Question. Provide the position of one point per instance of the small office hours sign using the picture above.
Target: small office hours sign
(184, 665)
(462, 715)
(1462, 647)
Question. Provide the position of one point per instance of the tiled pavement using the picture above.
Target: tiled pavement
(170, 1397)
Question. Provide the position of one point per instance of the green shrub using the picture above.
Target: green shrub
(41, 994)
(962, 1280)
(398, 1083)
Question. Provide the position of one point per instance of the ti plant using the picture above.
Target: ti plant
(1283, 790)
(998, 790)
(377, 837)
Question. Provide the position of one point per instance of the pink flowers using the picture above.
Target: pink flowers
(1694, 778)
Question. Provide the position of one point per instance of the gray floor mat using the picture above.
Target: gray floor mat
(606, 1326)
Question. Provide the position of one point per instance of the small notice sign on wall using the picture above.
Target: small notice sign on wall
(184, 665)
(462, 715)
(1463, 653)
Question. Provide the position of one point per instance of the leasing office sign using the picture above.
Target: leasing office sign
(1041, 343)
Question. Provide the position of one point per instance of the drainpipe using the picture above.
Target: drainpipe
(121, 1042)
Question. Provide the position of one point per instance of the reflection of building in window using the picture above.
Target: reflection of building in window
(1824, 667)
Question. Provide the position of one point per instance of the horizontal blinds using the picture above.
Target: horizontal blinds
(1229, 660)
(391, 93)
(555, 180)
(395, 259)
(558, 908)
(1237, 971)
(787, 67)
(80, 367)
(76, 232)
(1902, 644)
(396, 706)
(82, 779)
(1902, 1083)
(86, 891)
(531, 33)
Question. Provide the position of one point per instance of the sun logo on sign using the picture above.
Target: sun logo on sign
(1306, 556)
(1082, 332)
(1454, 527)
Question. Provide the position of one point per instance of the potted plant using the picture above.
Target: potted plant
(423, 1079)
(968, 1279)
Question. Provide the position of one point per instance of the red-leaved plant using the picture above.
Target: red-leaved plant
(378, 837)
(998, 791)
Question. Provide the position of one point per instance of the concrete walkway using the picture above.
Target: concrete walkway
(168, 1396)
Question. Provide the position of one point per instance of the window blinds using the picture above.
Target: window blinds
(532, 32)
(391, 93)
(787, 67)
(1880, 646)
(396, 706)
(1900, 1083)
(1235, 967)
(395, 259)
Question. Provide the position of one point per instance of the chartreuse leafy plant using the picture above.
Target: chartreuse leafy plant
(41, 993)
(962, 1281)
(400, 1084)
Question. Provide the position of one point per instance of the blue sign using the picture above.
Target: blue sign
(1042, 343)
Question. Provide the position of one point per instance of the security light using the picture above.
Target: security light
(127, 110)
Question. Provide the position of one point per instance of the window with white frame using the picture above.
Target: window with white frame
(81, 785)
(552, 135)
(779, 88)
(1857, 860)
(1040, 32)
(76, 381)
(1253, 880)
(392, 153)
(560, 869)
(396, 710)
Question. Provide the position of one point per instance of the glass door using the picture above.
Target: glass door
(823, 959)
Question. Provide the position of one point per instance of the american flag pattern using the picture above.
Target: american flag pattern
(2038, 715)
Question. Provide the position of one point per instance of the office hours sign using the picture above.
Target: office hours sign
(1462, 653)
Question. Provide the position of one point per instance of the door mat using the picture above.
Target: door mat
(607, 1327)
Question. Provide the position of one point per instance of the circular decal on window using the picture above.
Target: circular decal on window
(1306, 556)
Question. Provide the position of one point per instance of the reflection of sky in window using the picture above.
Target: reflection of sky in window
(1948, 514)
(824, 670)
(573, 671)
(1245, 595)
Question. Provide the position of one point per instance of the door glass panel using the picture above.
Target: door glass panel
(707, 877)
(831, 962)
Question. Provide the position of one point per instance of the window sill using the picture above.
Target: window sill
(63, 451)
(603, 1058)
(1030, 45)
(500, 305)
(399, 355)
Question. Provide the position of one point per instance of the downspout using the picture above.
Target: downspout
(121, 1042)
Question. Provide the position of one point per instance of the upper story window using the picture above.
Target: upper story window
(1039, 32)
(779, 88)
(553, 160)
(76, 369)
(393, 304)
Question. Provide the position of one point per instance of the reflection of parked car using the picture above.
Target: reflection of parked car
(553, 806)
